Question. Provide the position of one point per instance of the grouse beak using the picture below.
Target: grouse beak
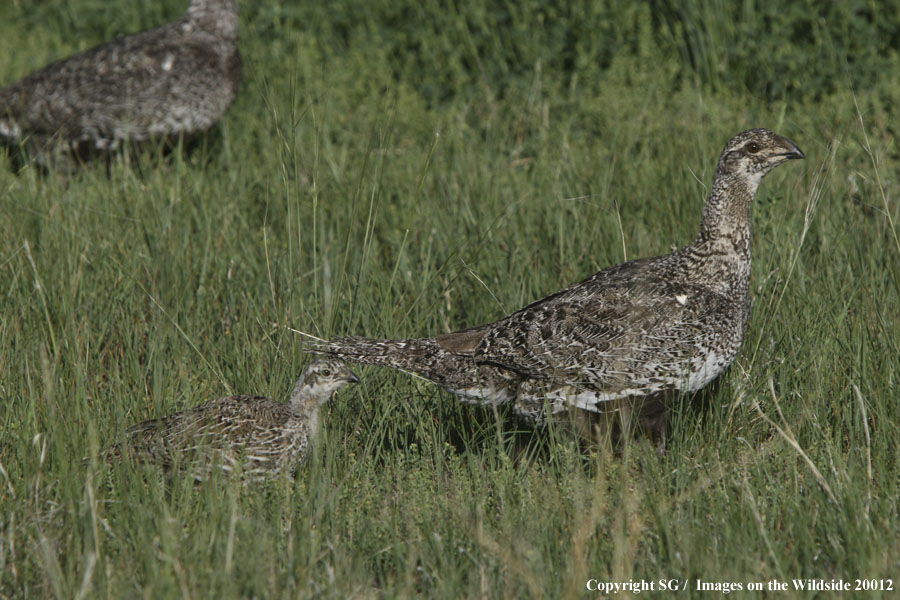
(793, 151)
(352, 377)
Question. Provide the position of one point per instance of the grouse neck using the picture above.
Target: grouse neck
(720, 255)
(304, 402)
(726, 216)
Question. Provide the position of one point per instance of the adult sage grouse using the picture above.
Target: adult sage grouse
(173, 81)
(265, 436)
(644, 328)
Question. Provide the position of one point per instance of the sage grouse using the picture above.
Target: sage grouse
(263, 435)
(174, 80)
(644, 328)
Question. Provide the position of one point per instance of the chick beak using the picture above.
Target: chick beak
(793, 151)
(351, 377)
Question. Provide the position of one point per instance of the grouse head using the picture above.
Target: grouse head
(322, 378)
(755, 152)
(216, 17)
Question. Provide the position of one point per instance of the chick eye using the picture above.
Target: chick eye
(326, 372)
(752, 147)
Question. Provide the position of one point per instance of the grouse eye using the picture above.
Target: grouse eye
(752, 147)
(326, 372)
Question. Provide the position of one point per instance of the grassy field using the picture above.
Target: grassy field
(398, 169)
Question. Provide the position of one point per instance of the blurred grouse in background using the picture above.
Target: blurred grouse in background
(264, 436)
(629, 333)
(173, 81)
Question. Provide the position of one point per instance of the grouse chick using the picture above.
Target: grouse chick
(263, 435)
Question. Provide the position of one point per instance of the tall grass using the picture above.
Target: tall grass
(404, 170)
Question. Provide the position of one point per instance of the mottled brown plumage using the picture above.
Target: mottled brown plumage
(263, 435)
(172, 81)
(632, 331)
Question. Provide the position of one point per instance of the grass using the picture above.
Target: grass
(354, 189)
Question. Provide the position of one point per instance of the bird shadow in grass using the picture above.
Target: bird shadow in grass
(649, 424)
(655, 425)
(68, 159)
(439, 420)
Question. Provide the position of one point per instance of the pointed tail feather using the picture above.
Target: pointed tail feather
(416, 355)
(456, 372)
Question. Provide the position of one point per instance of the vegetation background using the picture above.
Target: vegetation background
(401, 168)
